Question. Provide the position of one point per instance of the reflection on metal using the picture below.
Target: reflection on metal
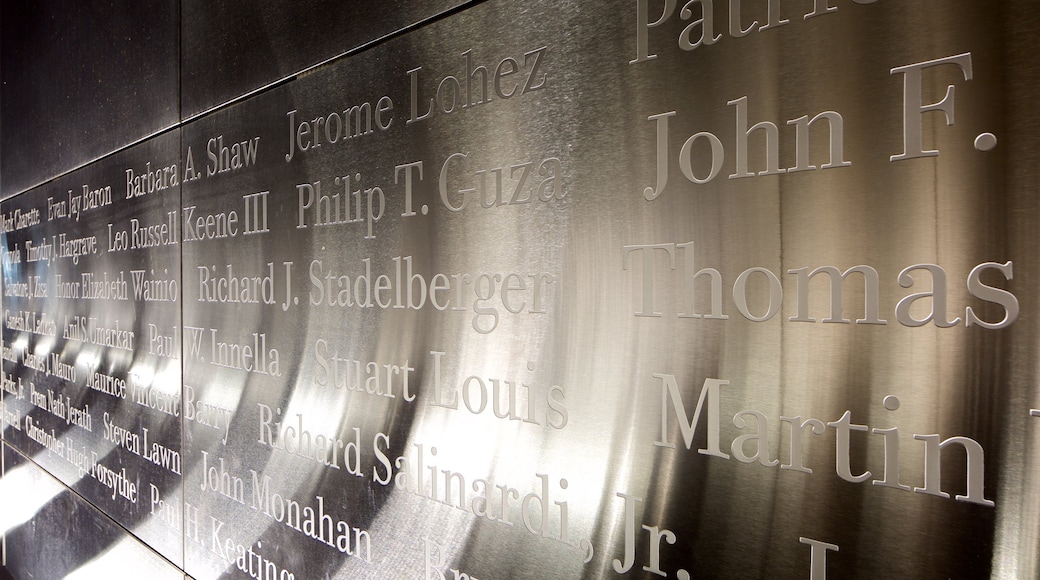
(581, 292)
(233, 48)
(75, 90)
(20, 482)
(92, 375)
(67, 537)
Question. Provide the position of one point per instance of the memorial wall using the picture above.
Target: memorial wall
(445, 290)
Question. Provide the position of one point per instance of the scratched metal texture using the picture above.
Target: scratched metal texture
(51, 532)
(595, 428)
(729, 518)
(142, 366)
(81, 81)
(230, 49)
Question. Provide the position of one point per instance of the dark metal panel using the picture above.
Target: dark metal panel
(233, 48)
(80, 80)
(639, 181)
(91, 364)
(480, 329)
(1017, 539)
(51, 532)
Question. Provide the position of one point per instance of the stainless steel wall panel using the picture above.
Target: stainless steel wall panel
(1016, 550)
(233, 48)
(91, 329)
(609, 348)
(51, 532)
(81, 81)
(640, 289)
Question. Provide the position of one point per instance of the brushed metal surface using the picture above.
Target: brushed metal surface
(51, 532)
(599, 114)
(515, 361)
(1016, 551)
(233, 48)
(81, 81)
(91, 366)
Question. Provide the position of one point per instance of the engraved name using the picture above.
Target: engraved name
(17, 219)
(223, 158)
(835, 124)
(479, 85)
(87, 329)
(310, 520)
(151, 181)
(75, 204)
(357, 376)
(138, 444)
(144, 235)
(222, 285)
(935, 298)
(482, 294)
(335, 127)
(148, 287)
(225, 224)
(758, 441)
(250, 356)
(107, 384)
(39, 323)
(12, 256)
(165, 509)
(459, 187)
(342, 207)
(206, 413)
(48, 439)
(247, 558)
(701, 32)
(512, 400)
(539, 512)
